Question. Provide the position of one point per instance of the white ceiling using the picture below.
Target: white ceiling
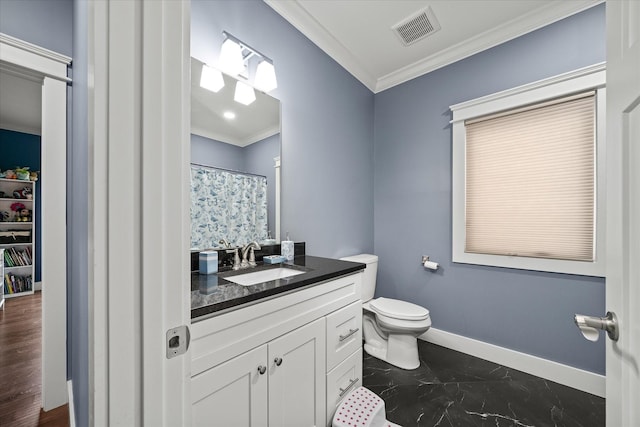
(358, 35)
(20, 101)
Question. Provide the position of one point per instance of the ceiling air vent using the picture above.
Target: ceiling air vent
(417, 27)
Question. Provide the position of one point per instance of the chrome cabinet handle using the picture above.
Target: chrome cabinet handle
(262, 369)
(351, 332)
(343, 391)
(278, 361)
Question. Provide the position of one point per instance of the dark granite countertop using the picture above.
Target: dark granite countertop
(213, 293)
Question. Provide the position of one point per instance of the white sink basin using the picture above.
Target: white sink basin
(261, 276)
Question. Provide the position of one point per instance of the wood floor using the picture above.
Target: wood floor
(21, 366)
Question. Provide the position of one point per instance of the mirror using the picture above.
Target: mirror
(237, 150)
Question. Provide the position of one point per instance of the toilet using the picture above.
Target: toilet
(390, 327)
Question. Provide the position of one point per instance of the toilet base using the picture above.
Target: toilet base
(400, 350)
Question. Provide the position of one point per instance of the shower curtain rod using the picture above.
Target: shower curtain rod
(227, 170)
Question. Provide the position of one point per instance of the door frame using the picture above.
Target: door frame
(51, 67)
(623, 207)
(139, 117)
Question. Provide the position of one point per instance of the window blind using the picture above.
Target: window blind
(530, 181)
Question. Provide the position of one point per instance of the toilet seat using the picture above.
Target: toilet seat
(399, 310)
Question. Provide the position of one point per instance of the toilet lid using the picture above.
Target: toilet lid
(397, 309)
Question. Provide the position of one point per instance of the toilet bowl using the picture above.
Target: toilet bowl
(390, 327)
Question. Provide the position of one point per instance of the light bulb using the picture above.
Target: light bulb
(231, 60)
(265, 79)
(211, 79)
(244, 94)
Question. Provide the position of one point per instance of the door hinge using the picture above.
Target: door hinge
(178, 340)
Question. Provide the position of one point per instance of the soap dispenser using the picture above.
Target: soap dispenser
(286, 249)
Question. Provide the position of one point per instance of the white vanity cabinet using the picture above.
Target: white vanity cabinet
(265, 384)
(268, 364)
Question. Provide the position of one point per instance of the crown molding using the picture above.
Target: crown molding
(294, 13)
(298, 16)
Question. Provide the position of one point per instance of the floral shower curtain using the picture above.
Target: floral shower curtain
(227, 205)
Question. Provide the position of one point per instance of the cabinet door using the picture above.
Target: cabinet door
(297, 380)
(233, 393)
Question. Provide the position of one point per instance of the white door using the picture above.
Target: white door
(139, 289)
(233, 393)
(297, 367)
(623, 214)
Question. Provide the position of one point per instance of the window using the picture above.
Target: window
(528, 187)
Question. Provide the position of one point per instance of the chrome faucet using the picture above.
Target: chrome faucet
(224, 243)
(248, 248)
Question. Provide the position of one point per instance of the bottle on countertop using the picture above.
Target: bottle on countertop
(286, 249)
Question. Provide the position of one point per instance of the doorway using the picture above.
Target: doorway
(48, 70)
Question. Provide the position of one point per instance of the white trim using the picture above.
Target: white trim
(72, 410)
(563, 374)
(278, 173)
(52, 67)
(32, 57)
(54, 242)
(37, 286)
(35, 49)
(97, 103)
(139, 121)
(592, 77)
(298, 16)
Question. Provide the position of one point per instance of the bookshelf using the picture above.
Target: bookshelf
(17, 236)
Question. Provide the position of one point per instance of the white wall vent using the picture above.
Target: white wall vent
(417, 27)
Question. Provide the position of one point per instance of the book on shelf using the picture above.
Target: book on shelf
(15, 257)
(14, 284)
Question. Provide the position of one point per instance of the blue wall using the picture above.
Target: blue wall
(256, 158)
(77, 223)
(527, 311)
(46, 23)
(23, 149)
(259, 160)
(210, 152)
(327, 126)
(61, 26)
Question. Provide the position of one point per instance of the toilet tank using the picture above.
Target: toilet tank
(370, 273)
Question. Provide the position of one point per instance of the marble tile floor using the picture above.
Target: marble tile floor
(454, 389)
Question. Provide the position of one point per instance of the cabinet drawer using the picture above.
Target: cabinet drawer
(341, 380)
(344, 333)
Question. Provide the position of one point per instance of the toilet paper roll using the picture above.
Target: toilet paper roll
(592, 334)
(431, 265)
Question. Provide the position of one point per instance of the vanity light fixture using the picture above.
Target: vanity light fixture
(244, 93)
(235, 57)
(211, 79)
(265, 79)
(231, 58)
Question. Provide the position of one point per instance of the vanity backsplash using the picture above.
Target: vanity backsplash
(226, 259)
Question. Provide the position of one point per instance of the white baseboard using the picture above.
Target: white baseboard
(543, 368)
(37, 286)
(72, 412)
